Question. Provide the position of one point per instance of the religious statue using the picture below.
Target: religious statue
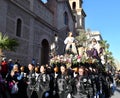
(70, 44)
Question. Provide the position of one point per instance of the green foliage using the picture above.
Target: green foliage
(105, 46)
(81, 38)
(11, 44)
(7, 43)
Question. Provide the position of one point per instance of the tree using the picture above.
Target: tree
(107, 53)
(7, 43)
(81, 38)
(104, 45)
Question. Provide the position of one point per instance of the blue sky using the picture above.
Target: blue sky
(104, 16)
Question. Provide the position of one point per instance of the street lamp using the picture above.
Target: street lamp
(56, 43)
(54, 46)
(56, 38)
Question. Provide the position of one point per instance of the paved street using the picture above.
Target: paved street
(117, 93)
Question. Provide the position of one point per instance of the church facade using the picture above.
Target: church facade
(40, 27)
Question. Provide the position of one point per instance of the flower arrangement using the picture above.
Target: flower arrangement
(76, 59)
(72, 60)
(66, 59)
(60, 59)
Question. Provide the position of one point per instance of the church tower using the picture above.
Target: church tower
(79, 14)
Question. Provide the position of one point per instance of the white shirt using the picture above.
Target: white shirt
(69, 40)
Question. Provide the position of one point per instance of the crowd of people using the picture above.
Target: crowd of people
(57, 80)
(45, 81)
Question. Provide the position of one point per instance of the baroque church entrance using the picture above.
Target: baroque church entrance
(45, 52)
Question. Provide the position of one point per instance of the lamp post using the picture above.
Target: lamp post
(54, 46)
(56, 38)
(56, 43)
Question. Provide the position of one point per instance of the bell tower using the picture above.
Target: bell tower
(79, 14)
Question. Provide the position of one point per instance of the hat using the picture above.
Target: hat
(16, 65)
(10, 60)
(4, 58)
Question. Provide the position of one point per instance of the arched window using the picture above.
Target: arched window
(74, 5)
(18, 28)
(65, 18)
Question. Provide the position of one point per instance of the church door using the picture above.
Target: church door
(45, 52)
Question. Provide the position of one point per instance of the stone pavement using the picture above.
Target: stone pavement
(117, 93)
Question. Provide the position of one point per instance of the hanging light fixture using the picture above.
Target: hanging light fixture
(56, 38)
